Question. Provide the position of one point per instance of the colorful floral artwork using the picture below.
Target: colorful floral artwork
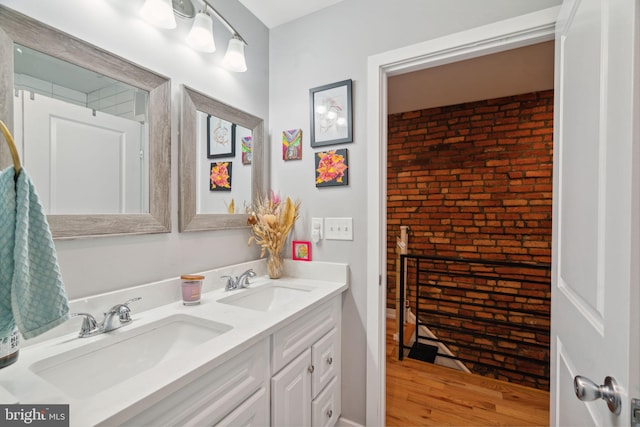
(220, 177)
(292, 144)
(332, 168)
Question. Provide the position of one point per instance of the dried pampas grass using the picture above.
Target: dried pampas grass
(271, 221)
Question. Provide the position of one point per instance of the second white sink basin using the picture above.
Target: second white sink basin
(104, 363)
(266, 297)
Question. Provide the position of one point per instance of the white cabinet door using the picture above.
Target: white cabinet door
(291, 393)
(594, 317)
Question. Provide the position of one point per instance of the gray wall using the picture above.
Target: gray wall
(97, 265)
(332, 45)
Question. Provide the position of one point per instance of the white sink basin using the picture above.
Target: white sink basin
(266, 297)
(101, 364)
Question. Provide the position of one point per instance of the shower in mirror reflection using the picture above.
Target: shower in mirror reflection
(161, 13)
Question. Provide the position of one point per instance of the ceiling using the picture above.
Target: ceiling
(512, 72)
(276, 12)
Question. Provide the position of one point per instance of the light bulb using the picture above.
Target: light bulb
(201, 35)
(234, 58)
(159, 13)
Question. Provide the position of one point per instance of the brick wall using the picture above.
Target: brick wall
(472, 180)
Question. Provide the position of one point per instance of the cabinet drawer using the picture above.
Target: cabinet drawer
(207, 397)
(291, 340)
(252, 412)
(325, 357)
(325, 409)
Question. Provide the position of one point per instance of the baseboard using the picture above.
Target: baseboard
(344, 422)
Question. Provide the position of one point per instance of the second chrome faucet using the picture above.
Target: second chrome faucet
(241, 281)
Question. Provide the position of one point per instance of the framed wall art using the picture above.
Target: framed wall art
(247, 150)
(332, 168)
(331, 114)
(244, 139)
(220, 138)
(292, 144)
(300, 250)
(220, 176)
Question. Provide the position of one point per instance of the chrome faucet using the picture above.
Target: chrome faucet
(118, 316)
(89, 325)
(241, 281)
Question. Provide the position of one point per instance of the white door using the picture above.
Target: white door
(81, 163)
(595, 295)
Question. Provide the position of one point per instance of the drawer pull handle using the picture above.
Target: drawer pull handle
(311, 369)
(329, 360)
(329, 413)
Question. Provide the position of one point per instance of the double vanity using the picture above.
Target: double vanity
(267, 354)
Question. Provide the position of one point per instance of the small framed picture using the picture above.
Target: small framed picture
(292, 144)
(301, 250)
(331, 114)
(332, 168)
(244, 139)
(220, 138)
(220, 176)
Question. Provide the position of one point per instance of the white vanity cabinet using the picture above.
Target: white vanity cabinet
(305, 360)
(235, 392)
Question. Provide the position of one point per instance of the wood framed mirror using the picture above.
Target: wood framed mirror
(17, 31)
(202, 115)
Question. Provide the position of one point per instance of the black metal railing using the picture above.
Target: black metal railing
(494, 316)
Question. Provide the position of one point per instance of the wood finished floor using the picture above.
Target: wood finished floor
(421, 394)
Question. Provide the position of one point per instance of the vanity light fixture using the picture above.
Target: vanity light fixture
(234, 58)
(201, 35)
(161, 13)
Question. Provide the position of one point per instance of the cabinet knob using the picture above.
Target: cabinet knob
(329, 413)
(311, 369)
(329, 360)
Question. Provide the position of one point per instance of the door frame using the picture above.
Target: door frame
(504, 35)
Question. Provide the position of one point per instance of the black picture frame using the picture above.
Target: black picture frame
(221, 141)
(331, 114)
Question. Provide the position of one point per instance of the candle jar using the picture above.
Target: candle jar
(191, 289)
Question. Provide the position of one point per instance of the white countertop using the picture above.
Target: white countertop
(18, 383)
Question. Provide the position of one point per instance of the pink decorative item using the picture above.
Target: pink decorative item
(191, 289)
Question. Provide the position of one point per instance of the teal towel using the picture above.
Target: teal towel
(32, 295)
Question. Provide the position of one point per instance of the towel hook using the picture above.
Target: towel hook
(12, 147)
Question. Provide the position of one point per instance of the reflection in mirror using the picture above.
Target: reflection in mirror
(224, 165)
(143, 206)
(83, 136)
(221, 163)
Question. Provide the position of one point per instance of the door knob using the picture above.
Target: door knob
(587, 390)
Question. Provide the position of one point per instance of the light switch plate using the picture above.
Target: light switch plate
(338, 228)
